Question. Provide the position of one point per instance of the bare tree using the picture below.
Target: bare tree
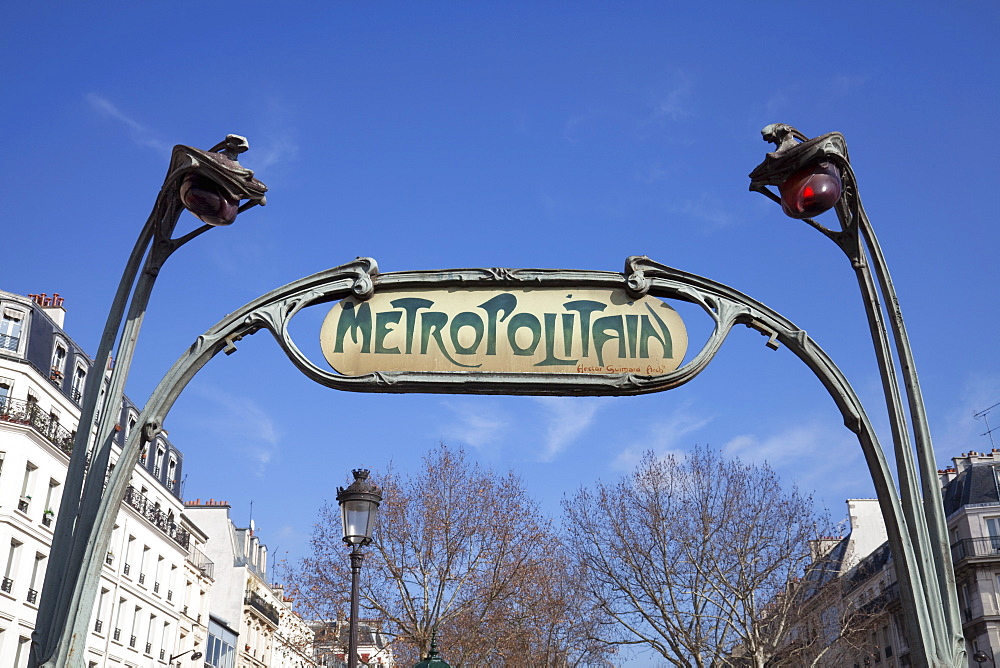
(463, 552)
(693, 556)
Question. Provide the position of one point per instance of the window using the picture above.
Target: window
(11, 568)
(27, 485)
(130, 425)
(10, 329)
(149, 635)
(6, 384)
(129, 555)
(993, 530)
(21, 657)
(36, 576)
(221, 651)
(135, 626)
(158, 463)
(172, 473)
(58, 360)
(102, 605)
(79, 382)
(118, 619)
(51, 496)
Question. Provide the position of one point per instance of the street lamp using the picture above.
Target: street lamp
(193, 657)
(359, 508)
(214, 187)
(814, 176)
(433, 658)
(980, 656)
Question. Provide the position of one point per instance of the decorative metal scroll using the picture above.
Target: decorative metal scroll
(725, 306)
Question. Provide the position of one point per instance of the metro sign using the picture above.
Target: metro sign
(539, 330)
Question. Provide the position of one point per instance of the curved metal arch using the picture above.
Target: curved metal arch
(726, 306)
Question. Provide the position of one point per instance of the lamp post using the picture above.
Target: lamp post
(193, 657)
(433, 658)
(814, 176)
(216, 188)
(980, 657)
(358, 508)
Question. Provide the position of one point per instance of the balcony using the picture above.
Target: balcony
(976, 549)
(23, 503)
(28, 413)
(6, 585)
(881, 602)
(200, 561)
(47, 519)
(268, 611)
(161, 520)
(8, 342)
(118, 634)
(32, 596)
(98, 625)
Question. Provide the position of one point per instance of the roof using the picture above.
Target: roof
(976, 484)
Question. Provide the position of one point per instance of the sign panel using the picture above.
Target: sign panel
(554, 330)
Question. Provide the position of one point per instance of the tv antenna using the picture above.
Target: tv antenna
(984, 414)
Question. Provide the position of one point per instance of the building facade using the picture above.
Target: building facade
(251, 623)
(140, 616)
(867, 591)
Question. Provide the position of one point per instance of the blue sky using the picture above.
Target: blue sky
(572, 135)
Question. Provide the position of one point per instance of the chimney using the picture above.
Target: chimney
(53, 306)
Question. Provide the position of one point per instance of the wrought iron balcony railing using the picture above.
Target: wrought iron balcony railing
(28, 413)
(164, 521)
(201, 561)
(6, 585)
(257, 602)
(32, 596)
(8, 342)
(980, 549)
(98, 625)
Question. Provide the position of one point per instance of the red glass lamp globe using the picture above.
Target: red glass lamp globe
(811, 190)
(205, 199)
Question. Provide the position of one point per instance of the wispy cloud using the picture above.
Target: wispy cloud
(708, 211)
(812, 455)
(581, 126)
(663, 436)
(961, 431)
(278, 141)
(241, 422)
(139, 133)
(474, 423)
(566, 419)
(676, 103)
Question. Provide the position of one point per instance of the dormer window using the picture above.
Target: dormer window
(158, 462)
(11, 323)
(79, 382)
(58, 361)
